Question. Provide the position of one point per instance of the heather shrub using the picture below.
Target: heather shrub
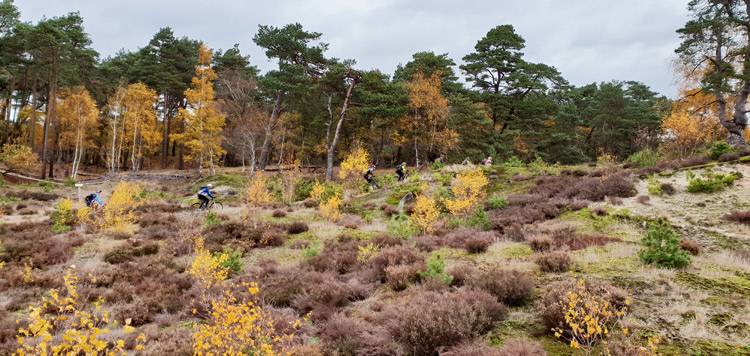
(278, 213)
(495, 310)
(310, 203)
(475, 348)
(576, 205)
(558, 261)
(661, 246)
(729, 156)
(510, 287)
(429, 322)
(690, 246)
(643, 199)
(460, 274)
(136, 311)
(399, 277)
(668, 189)
(613, 200)
(393, 256)
(519, 347)
(742, 217)
(340, 257)
(296, 227)
(477, 244)
(384, 240)
(342, 335)
(541, 243)
(693, 161)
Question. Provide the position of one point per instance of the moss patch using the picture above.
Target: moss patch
(517, 251)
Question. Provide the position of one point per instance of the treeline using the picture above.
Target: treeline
(133, 110)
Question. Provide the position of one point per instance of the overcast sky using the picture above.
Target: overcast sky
(587, 40)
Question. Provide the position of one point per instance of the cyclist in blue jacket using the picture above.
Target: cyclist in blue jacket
(204, 193)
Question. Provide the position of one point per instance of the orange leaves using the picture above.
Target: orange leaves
(692, 123)
(468, 191)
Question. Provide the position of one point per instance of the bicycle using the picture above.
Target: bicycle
(211, 205)
(95, 207)
(374, 184)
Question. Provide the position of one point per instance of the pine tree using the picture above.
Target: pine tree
(203, 122)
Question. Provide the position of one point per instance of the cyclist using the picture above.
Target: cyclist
(93, 197)
(370, 174)
(401, 171)
(466, 162)
(204, 193)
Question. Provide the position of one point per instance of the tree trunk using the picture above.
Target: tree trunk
(182, 146)
(275, 114)
(47, 118)
(32, 123)
(336, 134)
(165, 136)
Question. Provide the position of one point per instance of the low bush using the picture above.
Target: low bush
(278, 213)
(477, 244)
(742, 217)
(519, 347)
(430, 322)
(668, 189)
(496, 203)
(550, 306)
(474, 348)
(720, 148)
(690, 246)
(558, 261)
(730, 156)
(644, 158)
(339, 257)
(296, 227)
(643, 199)
(613, 200)
(233, 260)
(693, 161)
(710, 182)
(541, 243)
(393, 256)
(310, 203)
(510, 287)
(661, 246)
(29, 195)
(576, 205)
(399, 277)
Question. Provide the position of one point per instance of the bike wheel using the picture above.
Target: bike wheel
(217, 207)
(195, 206)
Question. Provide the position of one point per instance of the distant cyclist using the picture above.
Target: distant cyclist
(204, 193)
(401, 171)
(93, 197)
(370, 174)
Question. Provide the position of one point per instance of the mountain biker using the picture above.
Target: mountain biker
(370, 174)
(204, 193)
(466, 162)
(93, 197)
(401, 171)
(441, 159)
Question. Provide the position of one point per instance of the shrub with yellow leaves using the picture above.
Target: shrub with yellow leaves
(355, 163)
(590, 318)
(80, 330)
(317, 191)
(468, 190)
(257, 192)
(118, 213)
(426, 213)
(62, 216)
(26, 274)
(366, 253)
(330, 208)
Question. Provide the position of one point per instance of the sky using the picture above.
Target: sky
(586, 40)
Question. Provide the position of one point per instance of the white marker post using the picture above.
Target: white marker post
(79, 185)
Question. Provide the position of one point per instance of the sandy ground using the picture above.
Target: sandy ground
(703, 224)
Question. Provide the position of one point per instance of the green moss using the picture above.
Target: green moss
(401, 191)
(720, 319)
(517, 251)
(727, 242)
(727, 286)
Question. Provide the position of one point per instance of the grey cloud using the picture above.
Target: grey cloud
(587, 40)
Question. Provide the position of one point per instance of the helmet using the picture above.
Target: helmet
(98, 192)
(209, 185)
(403, 163)
(373, 166)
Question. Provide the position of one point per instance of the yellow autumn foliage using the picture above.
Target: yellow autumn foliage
(690, 124)
(468, 190)
(81, 331)
(257, 192)
(330, 208)
(317, 191)
(117, 214)
(355, 163)
(426, 213)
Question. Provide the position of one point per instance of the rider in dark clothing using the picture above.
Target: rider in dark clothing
(93, 197)
(204, 193)
(401, 171)
(370, 174)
